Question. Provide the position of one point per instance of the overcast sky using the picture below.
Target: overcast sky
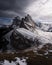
(38, 9)
(11, 8)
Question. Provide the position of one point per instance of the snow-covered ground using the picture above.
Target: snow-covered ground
(17, 62)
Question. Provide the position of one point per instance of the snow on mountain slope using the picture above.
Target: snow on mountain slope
(26, 33)
(45, 26)
(44, 37)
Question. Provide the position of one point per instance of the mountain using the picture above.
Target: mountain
(27, 33)
(45, 26)
(42, 37)
(21, 42)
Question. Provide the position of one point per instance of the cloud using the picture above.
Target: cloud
(40, 9)
(10, 8)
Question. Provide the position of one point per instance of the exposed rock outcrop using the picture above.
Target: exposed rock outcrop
(27, 23)
(20, 42)
(16, 22)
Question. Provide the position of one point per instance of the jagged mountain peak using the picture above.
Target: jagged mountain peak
(28, 21)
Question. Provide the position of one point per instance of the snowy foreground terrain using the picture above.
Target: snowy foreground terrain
(17, 62)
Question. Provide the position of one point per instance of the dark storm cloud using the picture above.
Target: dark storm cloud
(10, 8)
(6, 4)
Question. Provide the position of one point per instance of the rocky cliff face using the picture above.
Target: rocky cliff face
(16, 22)
(19, 42)
(27, 22)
